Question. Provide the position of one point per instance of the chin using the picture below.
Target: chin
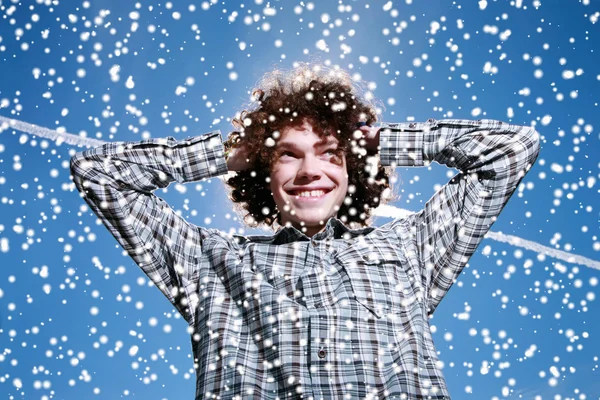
(311, 220)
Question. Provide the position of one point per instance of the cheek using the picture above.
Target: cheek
(281, 174)
(277, 193)
(273, 187)
(276, 184)
(340, 175)
(343, 184)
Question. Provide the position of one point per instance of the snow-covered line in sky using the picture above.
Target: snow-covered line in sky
(382, 211)
(541, 249)
(394, 212)
(59, 137)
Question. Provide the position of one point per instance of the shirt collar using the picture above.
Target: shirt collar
(334, 229)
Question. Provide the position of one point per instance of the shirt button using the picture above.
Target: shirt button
(322, 353)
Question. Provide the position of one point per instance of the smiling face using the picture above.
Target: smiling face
(309, 179)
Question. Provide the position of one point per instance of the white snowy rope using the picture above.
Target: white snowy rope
(59, 137)
(394, 212)
(382, 211)
(541, 249)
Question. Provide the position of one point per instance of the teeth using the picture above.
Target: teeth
(310, 193)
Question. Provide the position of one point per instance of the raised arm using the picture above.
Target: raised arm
(492, 158)
(117, 180)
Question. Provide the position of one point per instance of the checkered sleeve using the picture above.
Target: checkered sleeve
(492, 158)
(117, 180)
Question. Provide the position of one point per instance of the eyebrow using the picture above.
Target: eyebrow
(294, 146)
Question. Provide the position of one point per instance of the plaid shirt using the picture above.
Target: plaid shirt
(343, 314)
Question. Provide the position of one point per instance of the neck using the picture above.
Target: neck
(309, 231)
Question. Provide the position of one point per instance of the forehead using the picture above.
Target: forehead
(304, 134)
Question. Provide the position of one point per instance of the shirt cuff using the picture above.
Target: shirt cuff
(203, 157)
(401, 144)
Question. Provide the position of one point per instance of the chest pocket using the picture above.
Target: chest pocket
(381, 280)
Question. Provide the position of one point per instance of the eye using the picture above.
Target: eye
(286, 154)
(333, 155)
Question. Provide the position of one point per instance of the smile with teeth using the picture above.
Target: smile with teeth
(310, 193)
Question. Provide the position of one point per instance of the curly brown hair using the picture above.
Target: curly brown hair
(333, 104)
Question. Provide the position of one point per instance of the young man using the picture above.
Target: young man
(317, 310)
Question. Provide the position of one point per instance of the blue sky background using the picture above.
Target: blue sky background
(79, 320)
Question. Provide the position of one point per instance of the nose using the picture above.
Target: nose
(309, 169)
